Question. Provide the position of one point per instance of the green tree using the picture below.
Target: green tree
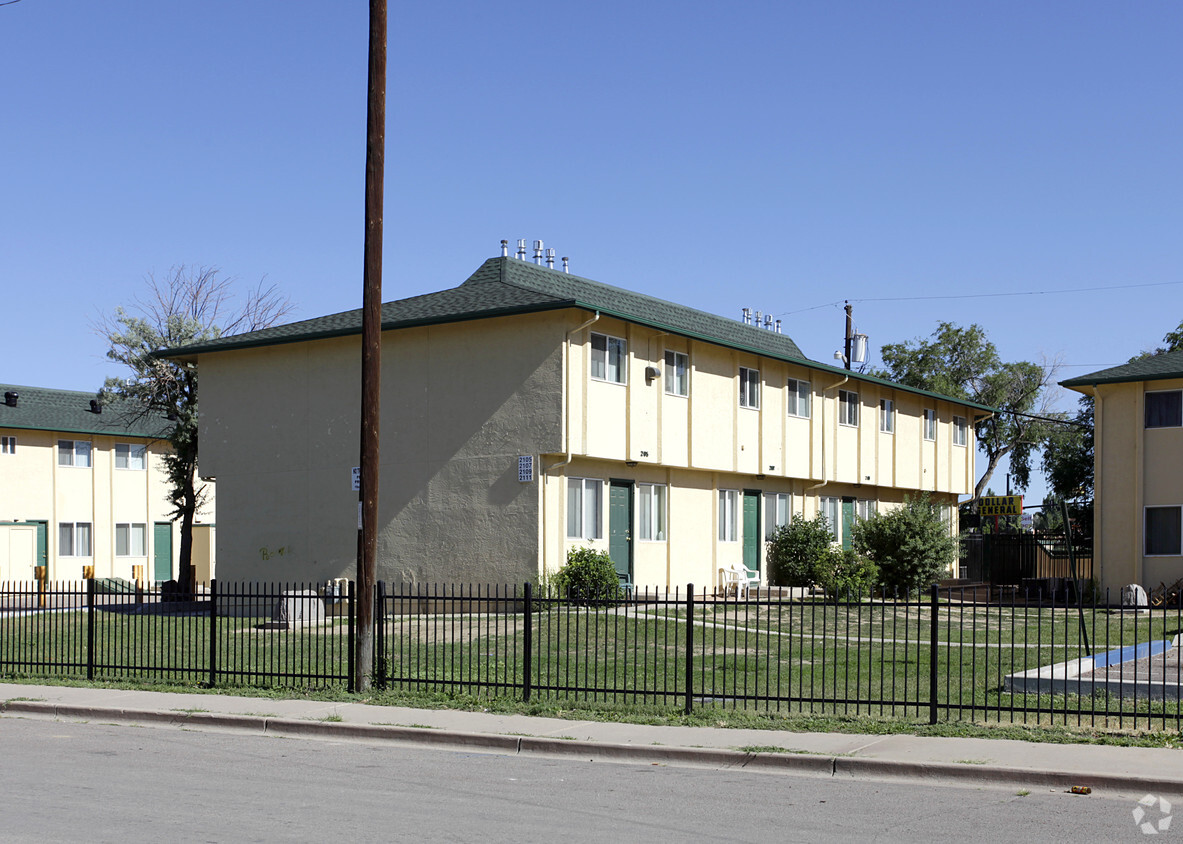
(187, 306)
(1068, 455)
(963, 363)
(589, 577)
(795, 550)
(911, 544)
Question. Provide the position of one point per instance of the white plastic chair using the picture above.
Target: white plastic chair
(736, 578)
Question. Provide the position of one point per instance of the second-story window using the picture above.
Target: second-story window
(960, 431)
(798, 397)
(677, 373)
(749, 387)
(130, 456)
(848, 407)
(930, 424)
(608, 358)
(887, 416)
(74, 453)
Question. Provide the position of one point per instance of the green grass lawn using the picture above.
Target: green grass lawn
(861, 660)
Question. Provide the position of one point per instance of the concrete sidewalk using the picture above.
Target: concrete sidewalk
(997, 763)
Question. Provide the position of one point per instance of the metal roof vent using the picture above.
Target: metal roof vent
(521, 249)
(95, 406)
(10, 398)
(538, 252)
(566, 268)
(550, 258)
(747, 316)
(505, 249)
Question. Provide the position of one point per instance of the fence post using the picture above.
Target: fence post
(90, 628)
(932, 655)
(354, 685)
(380, 636)
(213, 632)
(689, 647)
(528, 645)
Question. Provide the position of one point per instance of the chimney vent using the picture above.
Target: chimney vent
(566, 268)
(505, 249)
(550, 258)
(538, 252)
(10, 398)
(521, 249)
(95, 406)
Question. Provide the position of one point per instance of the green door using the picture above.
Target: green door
(847, 520)
(751, 531)
(620, 528)
(162, 545)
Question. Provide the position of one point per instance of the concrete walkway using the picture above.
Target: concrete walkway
(996, 763)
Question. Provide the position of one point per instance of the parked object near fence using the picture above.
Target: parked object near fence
(1134, 595)
(951, 654)
(303, 607)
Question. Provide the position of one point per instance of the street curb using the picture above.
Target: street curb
(818, 765)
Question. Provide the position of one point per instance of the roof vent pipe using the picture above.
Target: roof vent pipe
(521, 249)
(538, 252)
(505, 249)
(767, 322)
(10, 398)
(759, 316)
(95, 407)
(747, 316)
(777, 329)
(550, 258)
(566, 268)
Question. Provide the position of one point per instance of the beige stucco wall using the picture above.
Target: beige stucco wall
(460, 403)
(1135, 468)
(708, 430)
(37, 489)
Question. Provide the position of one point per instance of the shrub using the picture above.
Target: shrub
(589, 576)
(911, 545)
(795, 550)
(844, 573)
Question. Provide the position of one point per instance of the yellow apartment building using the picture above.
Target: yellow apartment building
(83, 487)
(529, 411)
(1138, 470)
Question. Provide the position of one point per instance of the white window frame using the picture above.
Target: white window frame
(7, 445)
(778, 510)
(729, 515)
(70, 533)
(798, 397)
(585, 508)
(831, 508)
(128, 454)
(886, 416)
(864, 508)
(848, 408)
(960, 431)
(1150, 393)
(76, 453)
(608, 352)
(126, 536)
(749, 388)
(677, 373)
(1178, 548)
(653, 509)
(930, 424)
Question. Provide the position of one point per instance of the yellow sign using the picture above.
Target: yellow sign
(1000, 505)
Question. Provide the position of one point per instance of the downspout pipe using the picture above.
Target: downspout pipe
(567, 395)
(825, 476)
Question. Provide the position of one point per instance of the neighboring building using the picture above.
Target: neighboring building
(83, 488)
(529, 411)
(1138, 470)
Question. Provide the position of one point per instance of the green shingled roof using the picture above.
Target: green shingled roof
(68, 412)
(504, 285)
(1153, 368)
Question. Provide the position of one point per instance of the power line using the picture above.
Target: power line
(987, 295)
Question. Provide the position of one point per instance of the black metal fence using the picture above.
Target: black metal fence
(1025, 559)
(1015, 655)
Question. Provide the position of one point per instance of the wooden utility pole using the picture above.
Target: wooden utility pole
(371, 350)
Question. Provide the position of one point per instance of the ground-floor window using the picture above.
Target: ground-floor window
(1164, 531)
(778, 509)
(729, 515)
(130, 540)
(651, 499)
(74, 539)
(585, 508)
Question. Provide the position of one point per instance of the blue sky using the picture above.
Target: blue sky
(781, 156)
